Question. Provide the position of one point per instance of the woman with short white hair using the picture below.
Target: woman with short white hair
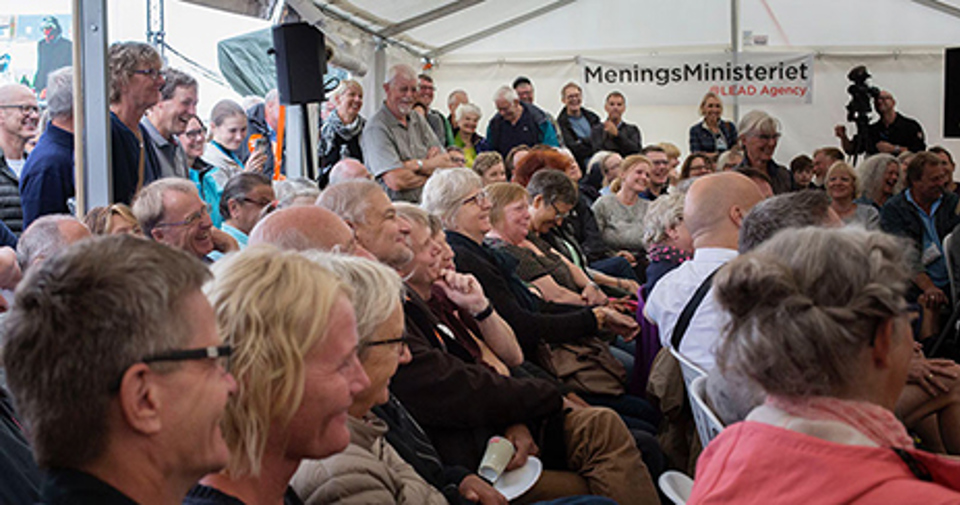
(667, 238)
(468, 116)
(879, 179)
(759, 135)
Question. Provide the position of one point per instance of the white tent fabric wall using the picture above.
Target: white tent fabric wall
(915, 79)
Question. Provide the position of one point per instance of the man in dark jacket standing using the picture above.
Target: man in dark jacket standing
(518, 123)
(576, 124)
(46, 184)
(615, 134)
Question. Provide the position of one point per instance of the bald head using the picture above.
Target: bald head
(306, 227)
(12, 92)
(347, 169)
(715, 206)
(47, 236)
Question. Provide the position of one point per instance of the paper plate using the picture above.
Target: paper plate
(516, 482)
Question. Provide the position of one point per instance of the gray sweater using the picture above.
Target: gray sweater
(621, 226)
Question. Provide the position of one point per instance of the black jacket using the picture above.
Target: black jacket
(11, 213)
(899, 217)
(628, 140)
(582, 148)
(533, 320)
(460, 404)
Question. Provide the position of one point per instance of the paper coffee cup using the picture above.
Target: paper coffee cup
(499, 452)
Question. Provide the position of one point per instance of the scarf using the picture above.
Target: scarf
(873, 421)
(667, 253)
(335, 127)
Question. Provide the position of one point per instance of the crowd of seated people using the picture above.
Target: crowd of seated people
(220, 334)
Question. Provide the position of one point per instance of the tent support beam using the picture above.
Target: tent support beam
(940, 6)
(735, 47)
(493, 30)
(92, 160)
(428, 17)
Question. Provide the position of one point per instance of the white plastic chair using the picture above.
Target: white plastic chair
(708, 425)
(676, 486)
(947, 258)
(689, 369)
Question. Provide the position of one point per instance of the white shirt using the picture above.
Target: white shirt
(671, 295)
(17, 165)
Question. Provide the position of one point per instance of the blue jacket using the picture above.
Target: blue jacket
(541, 131)
(47, 179)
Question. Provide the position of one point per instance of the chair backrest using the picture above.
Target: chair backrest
(689, 369)
(948, 258)
(676, 486)
(708, 425)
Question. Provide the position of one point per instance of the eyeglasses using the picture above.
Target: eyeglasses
(767, 137)
(258, 203)
(560, 215)
(152, 73)
(191, 220)
(219, 353)
(402, 341)
(195, 134)
(24, 109)
(480, 198)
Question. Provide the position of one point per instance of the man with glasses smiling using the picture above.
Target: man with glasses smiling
(19, 116)
(114, 360)
(171, 212)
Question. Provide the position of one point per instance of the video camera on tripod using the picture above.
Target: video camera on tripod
(862, 96)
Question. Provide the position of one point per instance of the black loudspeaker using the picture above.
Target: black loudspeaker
(301, 63)
(951, 93)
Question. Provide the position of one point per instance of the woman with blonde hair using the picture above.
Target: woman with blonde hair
(292, 327)
(842, 188)
(713, 134)
(620, 215)
(112, 220)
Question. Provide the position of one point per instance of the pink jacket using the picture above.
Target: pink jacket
(758, 463)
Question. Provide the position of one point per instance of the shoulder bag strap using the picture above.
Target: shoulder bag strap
(681, 328)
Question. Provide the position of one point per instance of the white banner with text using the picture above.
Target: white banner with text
(676, 79)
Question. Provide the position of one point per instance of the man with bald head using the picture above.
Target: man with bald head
(713, 212)
(19, 116)
(47, 236)
(347, 169)
(305, 228)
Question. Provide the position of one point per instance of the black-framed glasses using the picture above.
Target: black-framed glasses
(560, 215)
(258, 203)
(219, 353)
(191, 220)
(197, 133)
(153, 73)
(480, 198)
(390, 341)
(25, 109)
